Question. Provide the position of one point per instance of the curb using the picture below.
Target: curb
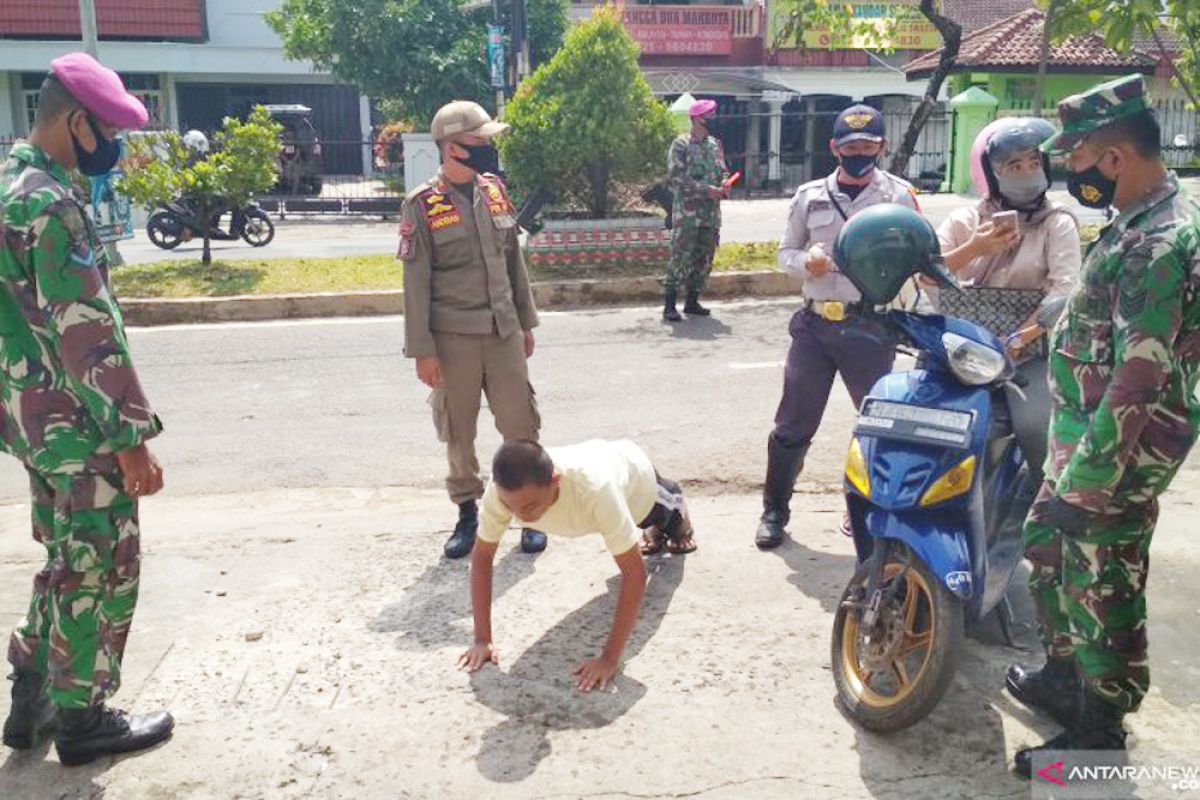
(553, 295)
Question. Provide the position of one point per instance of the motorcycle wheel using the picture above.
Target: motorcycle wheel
(258, 230)
(163, 229)
(892, 676)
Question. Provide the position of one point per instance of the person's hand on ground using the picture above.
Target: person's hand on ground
(596, 673)
(479, 654)
(141, 471)
(529, 344)
(429, 370)
(818, 263)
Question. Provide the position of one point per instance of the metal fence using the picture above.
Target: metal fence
(311, 183)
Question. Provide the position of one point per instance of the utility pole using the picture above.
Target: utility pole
(499, 89)
(520, 39)
(87, 25)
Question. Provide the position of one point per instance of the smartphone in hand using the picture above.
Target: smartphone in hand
(1006, 220)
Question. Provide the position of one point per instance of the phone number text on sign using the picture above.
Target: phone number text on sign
(657, 41)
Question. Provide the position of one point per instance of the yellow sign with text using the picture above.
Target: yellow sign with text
(896, 26)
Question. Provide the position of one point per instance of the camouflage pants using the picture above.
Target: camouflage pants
(1089, 593)
(83, 599)
(692, 250)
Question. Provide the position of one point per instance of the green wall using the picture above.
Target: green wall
(1015, 90)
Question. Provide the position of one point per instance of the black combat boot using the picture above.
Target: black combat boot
(463, 539)
(1098, 727)
(1054, 689)
(32, 714)
(669, 312)
(692, 307)
(90, 733)
(532, 541)
(784, 463)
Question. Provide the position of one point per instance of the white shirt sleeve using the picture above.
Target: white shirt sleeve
(495, 517)
(1064, 258)
(613, 520)
(793, 247)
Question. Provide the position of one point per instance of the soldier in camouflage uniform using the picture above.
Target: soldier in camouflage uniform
(1123, 369)
(697, 172)
(73, 412)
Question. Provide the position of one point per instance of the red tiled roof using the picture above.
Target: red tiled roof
(1015, 43)
(976, 14)
(115, 19)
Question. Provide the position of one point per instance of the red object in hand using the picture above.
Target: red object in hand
(731, 180)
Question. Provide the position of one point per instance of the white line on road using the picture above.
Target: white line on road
(755, 365)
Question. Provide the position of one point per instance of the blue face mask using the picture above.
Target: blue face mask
(858, 166)
(101, 160)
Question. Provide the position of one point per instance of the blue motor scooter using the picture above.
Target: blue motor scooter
(936, 484)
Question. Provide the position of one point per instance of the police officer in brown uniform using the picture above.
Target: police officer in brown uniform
(468, 309)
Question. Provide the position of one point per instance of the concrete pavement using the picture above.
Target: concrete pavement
(298, 618)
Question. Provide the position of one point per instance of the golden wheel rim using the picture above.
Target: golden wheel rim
(900, 647)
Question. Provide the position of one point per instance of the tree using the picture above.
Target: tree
(416, 54)
(587, 120)
(873, 33)
(243, 163)
(1123, 22)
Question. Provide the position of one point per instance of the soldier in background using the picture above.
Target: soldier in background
(73, 412)
(1124, 361)
(697, 175)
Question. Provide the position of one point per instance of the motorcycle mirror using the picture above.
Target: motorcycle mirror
(937, 270)
(1050, 311)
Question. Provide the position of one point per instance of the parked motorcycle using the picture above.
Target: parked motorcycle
(937, 485)
(179, 221)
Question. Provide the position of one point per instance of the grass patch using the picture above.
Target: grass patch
(361, 273)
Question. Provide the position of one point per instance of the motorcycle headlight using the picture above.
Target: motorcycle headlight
(971, 362)
(956, 482)
(856, 469)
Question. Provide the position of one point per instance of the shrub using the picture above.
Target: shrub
(587, 121)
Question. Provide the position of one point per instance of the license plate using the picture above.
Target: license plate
(940, 417)
(915, 423)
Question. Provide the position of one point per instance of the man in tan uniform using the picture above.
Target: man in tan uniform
(468, 309)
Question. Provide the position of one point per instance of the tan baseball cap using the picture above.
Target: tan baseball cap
(464, 116)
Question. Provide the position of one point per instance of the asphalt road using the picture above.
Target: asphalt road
(744, 221)
(334, 403)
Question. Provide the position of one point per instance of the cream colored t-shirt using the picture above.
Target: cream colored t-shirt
(605, 487)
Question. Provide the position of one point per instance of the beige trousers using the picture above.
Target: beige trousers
(474, 365)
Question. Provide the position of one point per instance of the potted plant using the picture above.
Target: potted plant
(587, 126)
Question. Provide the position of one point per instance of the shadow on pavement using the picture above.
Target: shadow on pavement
(33, 774)
(537, 694)
(428, 614)
(820, 575)
(699, 328)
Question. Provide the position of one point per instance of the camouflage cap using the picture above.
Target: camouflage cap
(1101, 105)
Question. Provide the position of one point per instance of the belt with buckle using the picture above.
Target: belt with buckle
(831, 310)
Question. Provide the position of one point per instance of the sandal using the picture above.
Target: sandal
(682, 542)
(681, 545)
(653, 541)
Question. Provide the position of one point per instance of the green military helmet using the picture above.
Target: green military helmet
(881, 247)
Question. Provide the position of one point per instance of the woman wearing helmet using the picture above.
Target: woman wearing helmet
(1012, 175)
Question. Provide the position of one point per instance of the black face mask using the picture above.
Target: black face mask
(858, 166)
(481, 158)
(1091, 187)
(101, 160)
